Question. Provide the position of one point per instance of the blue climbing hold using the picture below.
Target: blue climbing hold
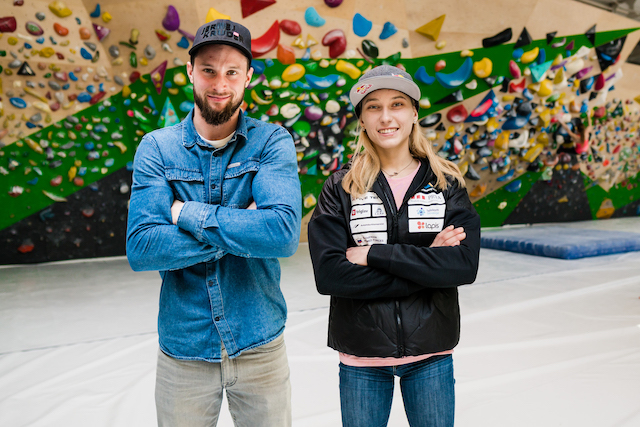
(361, 25)
(258, 67)
(269, 62)
(72, 76)
(186, 106)
(324, 82)
(40, 40)
(388, 30)
(96, 12)
(18, 102)
(183, 43)
(91, 89)
(513, 186)
(517, 53)
(458, 77)
(85, 54)
(517, 122)
(84, 97)
(313, 18)
(422, 76)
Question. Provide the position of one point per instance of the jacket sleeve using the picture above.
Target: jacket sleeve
(273, 229)
(440, 267)
(153, 241)
(334, 274)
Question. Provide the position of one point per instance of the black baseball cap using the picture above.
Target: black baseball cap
(384, 77)
(223, 31)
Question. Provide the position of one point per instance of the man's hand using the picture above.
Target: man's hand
(450, 236)
(358, 255)
(175, 211)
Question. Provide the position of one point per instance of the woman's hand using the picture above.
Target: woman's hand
(450, 236)
(358, 255)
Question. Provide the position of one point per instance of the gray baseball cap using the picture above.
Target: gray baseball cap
(384, 77)
(223, 31)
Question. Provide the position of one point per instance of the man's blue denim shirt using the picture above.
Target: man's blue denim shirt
(219, 267)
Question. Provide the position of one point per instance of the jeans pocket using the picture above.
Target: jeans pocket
(269, 347)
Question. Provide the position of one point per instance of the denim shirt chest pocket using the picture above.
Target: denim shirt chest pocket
(237, 184)
(187, 184)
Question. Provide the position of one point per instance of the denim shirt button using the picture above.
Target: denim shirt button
(213, 185)
(217, 319)
(210, 282)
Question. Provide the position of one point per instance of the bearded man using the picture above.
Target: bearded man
(215, 201)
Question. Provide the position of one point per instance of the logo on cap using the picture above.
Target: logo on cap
(363, 89)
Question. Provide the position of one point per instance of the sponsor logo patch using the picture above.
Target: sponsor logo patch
(368, 224)
(363, 88)
(426, 211)
(369, 197)
(425, 225)
(368, 239)
(426, 199)
(361, 211)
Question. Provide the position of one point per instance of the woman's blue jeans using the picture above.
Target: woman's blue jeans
(427, 390)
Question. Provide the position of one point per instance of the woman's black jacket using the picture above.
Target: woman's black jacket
(405, 302)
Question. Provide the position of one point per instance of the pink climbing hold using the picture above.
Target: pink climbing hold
(514, 70)
(440, 65)
(336, 41)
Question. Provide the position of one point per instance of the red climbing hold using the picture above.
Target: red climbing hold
(250, 7)
(266, 42)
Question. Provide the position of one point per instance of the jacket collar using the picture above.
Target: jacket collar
(190, 136)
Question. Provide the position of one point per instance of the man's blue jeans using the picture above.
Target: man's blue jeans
(427, 391)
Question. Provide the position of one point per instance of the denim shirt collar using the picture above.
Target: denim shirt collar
(190, 136)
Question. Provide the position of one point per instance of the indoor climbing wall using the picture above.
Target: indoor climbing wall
(82, 81)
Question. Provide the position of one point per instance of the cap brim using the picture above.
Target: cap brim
(364, 87)
(245, 52)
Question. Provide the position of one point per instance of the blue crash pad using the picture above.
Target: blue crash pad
(561, 242)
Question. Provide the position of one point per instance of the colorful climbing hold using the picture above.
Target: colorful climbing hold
(267, 42)
(361, 25)
(33, 28)
(432, 29)
(60, 30)
(313, 18)
(101, 32)
(388, 30)
(286, 55)
(456, 78)
(500, 38)
(290, 27)
(483, 68)
(59, 9)
(336, 41)
(293, 73)
(348, 68)
(171, 20)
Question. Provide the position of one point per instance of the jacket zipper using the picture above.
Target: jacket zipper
(395, 214)
(399, 326)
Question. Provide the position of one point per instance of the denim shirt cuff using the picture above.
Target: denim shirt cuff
(195, 217)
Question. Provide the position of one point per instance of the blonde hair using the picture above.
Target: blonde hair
(365, 164)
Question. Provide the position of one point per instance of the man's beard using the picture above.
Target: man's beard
(213, 117)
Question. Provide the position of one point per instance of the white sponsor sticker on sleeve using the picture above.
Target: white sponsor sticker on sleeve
(378, 210)
(425, 225)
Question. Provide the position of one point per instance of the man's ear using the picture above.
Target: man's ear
(249, 75)
(190, 71)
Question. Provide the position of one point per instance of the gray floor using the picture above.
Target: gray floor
(545, 342)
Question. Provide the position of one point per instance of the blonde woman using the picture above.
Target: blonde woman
(392, 237)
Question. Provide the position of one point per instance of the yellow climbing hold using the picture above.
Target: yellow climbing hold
(546, 88)
(348, 68)
(12, 41)
(450, 132)
(144, 61)
(530, 55)
(42, 106)
(173, 91)
(637, 99)
(299, 43)
(492, 124)
(106, 17)
(559, 79)
(426, 104)
(126, 91)
(557, 60)
(259, 100)
(466, 53)
(311, 41)
(293, 72)
(34, 145)
(59, 9)
(533, 152)
(72, 172)
(432, 29)
(180, 79)
(441, 44)
(545, 116)
(36, 94)
(213, 14)
(483, 68)
(502, 141)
